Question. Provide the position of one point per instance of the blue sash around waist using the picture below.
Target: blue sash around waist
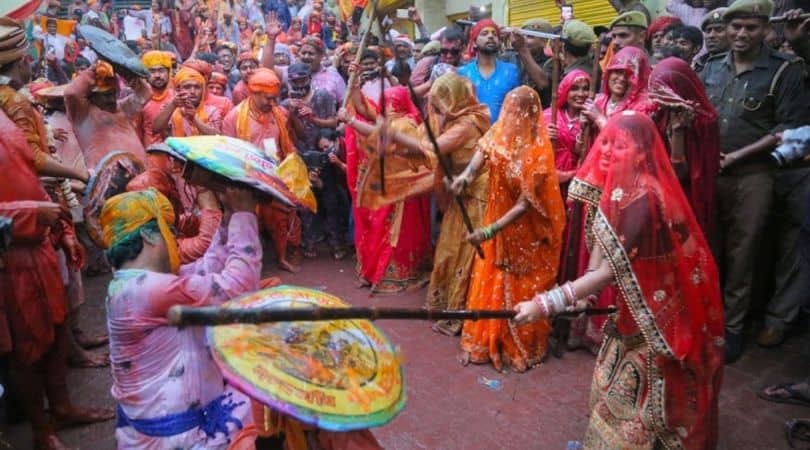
(212, 418)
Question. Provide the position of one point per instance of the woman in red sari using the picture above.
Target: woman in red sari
(624, 87)
(688, 122)
(393, 242)
(658, 374)
(571, 96)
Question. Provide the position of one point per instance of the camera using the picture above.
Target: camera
(795, 146)
(316, 159)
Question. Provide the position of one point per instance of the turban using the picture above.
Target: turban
(125, 214)
(200, 66)
(105, 77)
(264, 80)
(13, 42)
(314, 42)
(247, 56)
(477, 29)
(661, 24)
(219, 78)
(187, 74)
(157, 58)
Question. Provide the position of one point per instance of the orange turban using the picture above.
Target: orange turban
(105, 77)
(264, 80)
(187, 74)
(157, 58)
(219, 78)
(246, 56)
(200, 66)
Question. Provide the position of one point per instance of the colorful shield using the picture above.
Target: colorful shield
(19, 9)
(236, 160)
(110, 178)
(338, 375)
(113, 50)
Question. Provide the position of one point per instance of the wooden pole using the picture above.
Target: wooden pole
(555, 82)
(359, 55)
(445, 167)
(213, 316)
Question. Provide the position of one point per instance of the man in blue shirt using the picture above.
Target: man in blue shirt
(492, 78)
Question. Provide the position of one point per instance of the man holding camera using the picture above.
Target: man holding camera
(758, 93)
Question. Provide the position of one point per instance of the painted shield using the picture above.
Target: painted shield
(110, 178)
(113, 50)
(338, 375)
(236, 160)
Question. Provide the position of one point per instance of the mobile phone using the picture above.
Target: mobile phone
(402, 14)
(567, 12)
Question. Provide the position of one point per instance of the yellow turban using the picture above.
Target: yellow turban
(264, 80)
(105, 77)
(125, 214)
(187, 74)
(157, 58)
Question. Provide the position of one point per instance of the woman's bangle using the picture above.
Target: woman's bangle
(570, 293)
(540, 299)
(677, 160)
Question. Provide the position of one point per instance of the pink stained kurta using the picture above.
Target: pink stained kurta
(223, 104)
(146, 120)
(258, 132)
(159, 369)
(68, 151)
(328, 79)
(100, 132)
(214, 120)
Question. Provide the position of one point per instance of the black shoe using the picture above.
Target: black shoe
(735, 343)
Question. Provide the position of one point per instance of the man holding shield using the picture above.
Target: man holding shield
(100, 121)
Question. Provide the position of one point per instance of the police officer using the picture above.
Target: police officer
(714, 37)
(629, 29)
(578, 39)
(757, 92)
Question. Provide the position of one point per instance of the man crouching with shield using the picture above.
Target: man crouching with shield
(170, 392)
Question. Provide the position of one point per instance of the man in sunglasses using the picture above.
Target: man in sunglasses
(452, 45)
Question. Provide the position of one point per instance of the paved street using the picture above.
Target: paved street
(448, 409)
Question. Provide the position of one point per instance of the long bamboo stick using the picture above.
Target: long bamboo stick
(359, 54)
(212, 315)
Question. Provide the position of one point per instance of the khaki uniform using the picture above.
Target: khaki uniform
(766, 99)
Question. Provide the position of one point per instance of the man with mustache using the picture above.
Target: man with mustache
(758, 92)
(714, 37)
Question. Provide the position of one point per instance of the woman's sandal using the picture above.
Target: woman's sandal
(786, 393)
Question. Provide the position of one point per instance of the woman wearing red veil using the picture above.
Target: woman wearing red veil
(658, 374)
(688, 121)
(624, 87)
(393, 240)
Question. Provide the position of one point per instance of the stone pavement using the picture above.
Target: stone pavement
(448, 409)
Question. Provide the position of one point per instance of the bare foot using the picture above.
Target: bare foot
(49, 441)
(283, 264)
(78, 415)
(90, 342)
(88, 360)
(361, 283)
(296, 256)
(464, 358)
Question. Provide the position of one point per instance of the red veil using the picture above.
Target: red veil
(564, 155)
(666, 275)
(702, 138)
(635, 63)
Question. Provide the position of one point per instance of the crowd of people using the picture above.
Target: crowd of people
(627, 166)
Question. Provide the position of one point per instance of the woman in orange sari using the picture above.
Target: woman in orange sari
(522, 242)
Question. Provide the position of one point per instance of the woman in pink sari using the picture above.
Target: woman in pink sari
(393, 241)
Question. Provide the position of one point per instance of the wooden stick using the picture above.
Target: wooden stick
(445, 167)
(382, 140)
(780, 19)
(555, 82)
(587, 130)
(213, 316)
(359, 55)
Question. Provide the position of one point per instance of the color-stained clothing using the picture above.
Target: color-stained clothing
(68, 152)
(150, 111)
(34, 298)
(328, 79)
(491, 91)
(100, 132)
(323, 107)
(22, 113)
(522, 258)
(159, 369)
